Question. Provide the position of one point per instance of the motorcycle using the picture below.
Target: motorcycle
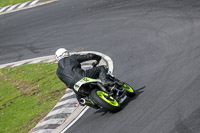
(97, 95)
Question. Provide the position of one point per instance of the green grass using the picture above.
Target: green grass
(27, 94)
(10, 2)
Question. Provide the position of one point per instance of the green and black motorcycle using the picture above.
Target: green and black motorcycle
(96, 95)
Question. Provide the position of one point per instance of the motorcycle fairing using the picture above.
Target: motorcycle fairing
(83, 81)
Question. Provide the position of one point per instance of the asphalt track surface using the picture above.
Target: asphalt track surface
(154, 44)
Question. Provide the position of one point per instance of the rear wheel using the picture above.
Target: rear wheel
(102, 99)
(130, 91)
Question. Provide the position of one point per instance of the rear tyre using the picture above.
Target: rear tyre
(130, 91)
(101, 98)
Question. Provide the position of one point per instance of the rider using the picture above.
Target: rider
(69, 69)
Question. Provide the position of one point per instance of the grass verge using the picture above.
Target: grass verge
(27, 94)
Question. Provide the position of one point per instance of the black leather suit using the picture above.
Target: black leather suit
(69, 69)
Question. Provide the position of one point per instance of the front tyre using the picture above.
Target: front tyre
(101, 98)
(130, 91)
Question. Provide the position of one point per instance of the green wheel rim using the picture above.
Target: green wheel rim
(128, 88)
(102, 95)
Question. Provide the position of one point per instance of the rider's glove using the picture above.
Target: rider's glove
(94, 64)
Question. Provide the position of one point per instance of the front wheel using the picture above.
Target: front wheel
(101, 98)
(130, 91)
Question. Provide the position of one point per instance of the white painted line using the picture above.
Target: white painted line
(36, 61)
(52, 60)
(77, 118)
(34, 2)
(4, 8)
(22, 5)
(12, 7)
(73, 100)
(18, 64)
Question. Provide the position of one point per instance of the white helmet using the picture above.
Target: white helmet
(61, 53)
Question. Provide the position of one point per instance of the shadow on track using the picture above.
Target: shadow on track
(137, 93)
(128, 100)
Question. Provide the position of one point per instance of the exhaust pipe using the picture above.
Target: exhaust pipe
(82, 101)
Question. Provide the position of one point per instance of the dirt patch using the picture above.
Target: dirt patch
(24, 86)
(38, 80)
(6, 105)
(20, 84)
(10, 102)
(52, 96)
